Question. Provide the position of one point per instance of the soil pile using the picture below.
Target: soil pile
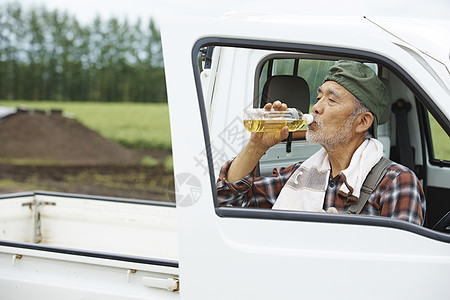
(50, 152)
(55, 139)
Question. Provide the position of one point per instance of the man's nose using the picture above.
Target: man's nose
(317, 108)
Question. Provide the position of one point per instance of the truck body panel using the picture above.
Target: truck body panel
(78, 246)
(271, 254)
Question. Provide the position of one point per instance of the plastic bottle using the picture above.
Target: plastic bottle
(261, 120)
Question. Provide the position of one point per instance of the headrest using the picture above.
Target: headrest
(292, 90)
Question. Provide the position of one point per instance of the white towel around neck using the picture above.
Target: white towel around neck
(305, 189)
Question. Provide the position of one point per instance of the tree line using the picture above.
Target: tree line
(48, 55)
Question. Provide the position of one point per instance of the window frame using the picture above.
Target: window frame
(337, 52)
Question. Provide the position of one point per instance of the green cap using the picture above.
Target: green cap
(363, 83)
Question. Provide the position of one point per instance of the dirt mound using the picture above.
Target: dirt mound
(55, 139)
(55, 153)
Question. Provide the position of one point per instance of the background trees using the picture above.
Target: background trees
(50, 55)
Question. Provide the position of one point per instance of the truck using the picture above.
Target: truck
(72, 246)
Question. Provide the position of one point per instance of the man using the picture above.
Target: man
(349, 101)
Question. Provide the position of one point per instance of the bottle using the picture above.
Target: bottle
(261, 120)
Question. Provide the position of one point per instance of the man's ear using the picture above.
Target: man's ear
(363, 122)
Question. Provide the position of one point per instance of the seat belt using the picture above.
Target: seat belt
(372, 180)
(405, 153)
(289, 143)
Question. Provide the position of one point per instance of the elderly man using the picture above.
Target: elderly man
(349, 101)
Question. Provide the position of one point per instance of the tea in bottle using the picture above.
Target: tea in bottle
(261, 120)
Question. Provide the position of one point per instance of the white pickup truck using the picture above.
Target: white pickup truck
(60, 246)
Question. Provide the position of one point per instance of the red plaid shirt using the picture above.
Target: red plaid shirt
(399, 194)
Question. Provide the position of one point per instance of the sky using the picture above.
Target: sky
(87, 10)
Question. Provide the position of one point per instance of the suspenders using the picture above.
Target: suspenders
(369, 185)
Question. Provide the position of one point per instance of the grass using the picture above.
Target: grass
(29, 161)
(441, 141)
(168, 164)
(7, 183)
(135, 125)
(126, 181)
(149, 161)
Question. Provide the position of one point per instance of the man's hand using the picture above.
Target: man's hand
(265, 140)
(258, 144)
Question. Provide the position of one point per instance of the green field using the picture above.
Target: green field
(441, 141)
(135, 125)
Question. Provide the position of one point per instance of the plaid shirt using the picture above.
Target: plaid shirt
(399, 194)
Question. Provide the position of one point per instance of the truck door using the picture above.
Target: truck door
(250, 253)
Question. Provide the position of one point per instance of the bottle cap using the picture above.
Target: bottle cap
(308, 118)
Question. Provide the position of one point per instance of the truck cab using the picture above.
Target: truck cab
(224, 66)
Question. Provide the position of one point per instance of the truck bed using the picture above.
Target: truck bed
(112, 225)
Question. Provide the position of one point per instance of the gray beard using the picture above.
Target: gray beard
(332, 140)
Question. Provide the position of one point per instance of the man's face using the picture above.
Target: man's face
(332, 124)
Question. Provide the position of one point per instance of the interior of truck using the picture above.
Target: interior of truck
(294, 79)
(409, 129)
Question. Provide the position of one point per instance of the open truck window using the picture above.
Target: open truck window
(253, 68)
